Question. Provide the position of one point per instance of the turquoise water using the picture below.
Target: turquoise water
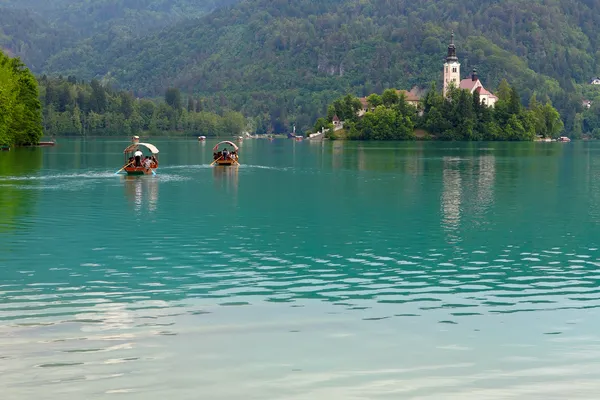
(313, 271)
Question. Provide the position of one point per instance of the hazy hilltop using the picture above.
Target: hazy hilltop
(284, 60)
(36, 30)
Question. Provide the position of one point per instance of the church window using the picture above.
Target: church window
(454, 69)
(446, 69)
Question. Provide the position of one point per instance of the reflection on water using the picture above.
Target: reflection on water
(485, 182)
(351, 270)
(451, 198)
(140, 190)
(17, 202)
(227, 179)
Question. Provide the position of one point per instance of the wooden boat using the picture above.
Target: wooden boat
(564, 139)
(4, 148)
(134, 159)
(225, 157)
(201, 138)
(46, 144)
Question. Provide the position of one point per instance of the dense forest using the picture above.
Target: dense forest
(20, 109)
(458, 116)
(39, 30)
(77, 108)
(284, 61)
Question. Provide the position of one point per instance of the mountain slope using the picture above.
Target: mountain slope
(38, 29)
(292, 58)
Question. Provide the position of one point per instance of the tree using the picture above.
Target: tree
(126, 104)
(173, 98)
(504, 91)
(389, 97)
(320, 124)
(98, 102)
(20, 107)
(374, 100)
(553, 123)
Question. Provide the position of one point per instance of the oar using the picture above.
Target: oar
(123, 168)
(215, 160)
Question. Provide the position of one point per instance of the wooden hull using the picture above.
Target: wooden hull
(227, 163)
(47, 144)
(139, 171)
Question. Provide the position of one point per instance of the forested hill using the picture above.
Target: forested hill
(285, 60)
(36, 30)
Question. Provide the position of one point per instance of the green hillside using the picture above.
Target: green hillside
(289, 59)
(35, 30)
(283, 61)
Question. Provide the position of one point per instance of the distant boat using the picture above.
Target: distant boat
(201, 138)
(4, 148)
(564, 139)
(46, 144)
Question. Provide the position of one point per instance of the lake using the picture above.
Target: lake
(316, 270)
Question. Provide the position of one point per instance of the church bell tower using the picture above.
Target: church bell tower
(451, 67)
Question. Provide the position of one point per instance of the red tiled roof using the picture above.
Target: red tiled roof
(468, 84)
(409, 95)
(336, 119)
(364, 102)
(481, 90)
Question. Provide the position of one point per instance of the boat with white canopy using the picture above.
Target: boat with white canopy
(136, 163)
(226, 154)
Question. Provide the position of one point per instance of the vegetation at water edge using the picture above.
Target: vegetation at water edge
(20, 109)
(458, 116)
(76, 108)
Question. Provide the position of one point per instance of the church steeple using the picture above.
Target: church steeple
(451, 50)
(451, 67)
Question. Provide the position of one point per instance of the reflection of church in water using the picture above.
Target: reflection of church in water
(458, 203)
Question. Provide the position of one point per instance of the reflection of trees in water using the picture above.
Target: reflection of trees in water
(592, 171)
(15, 199)
(142, 190)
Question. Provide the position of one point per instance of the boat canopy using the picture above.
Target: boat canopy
(134, 146)
(225, 142)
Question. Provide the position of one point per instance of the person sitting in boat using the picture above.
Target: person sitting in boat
(225, 154)
(154, 161)
(138, 158)
(131, 160)
(147, 162)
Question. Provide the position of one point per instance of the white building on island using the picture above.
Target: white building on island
(472, 83)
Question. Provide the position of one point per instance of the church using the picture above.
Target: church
(472, 83)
